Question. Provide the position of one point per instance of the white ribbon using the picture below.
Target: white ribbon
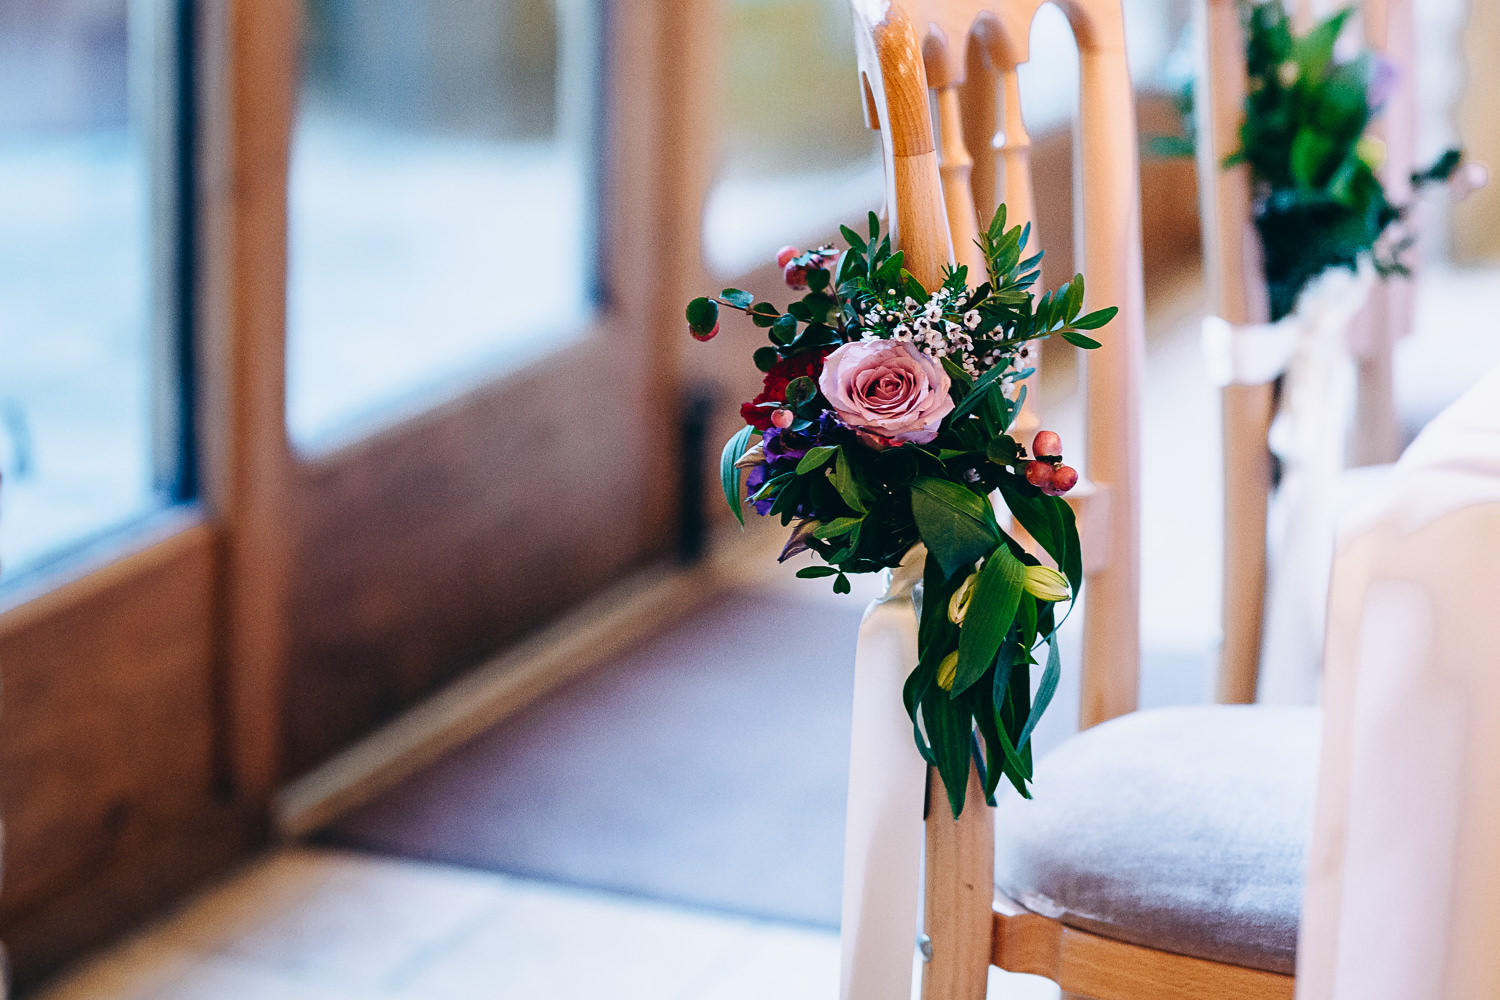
(1309, 435)
(887, 784)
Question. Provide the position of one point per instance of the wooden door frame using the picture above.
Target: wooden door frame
(144, 723)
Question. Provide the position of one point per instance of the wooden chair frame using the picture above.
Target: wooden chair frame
(1238, 295)
(960, 52)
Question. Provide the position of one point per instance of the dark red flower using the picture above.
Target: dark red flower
(809, 363)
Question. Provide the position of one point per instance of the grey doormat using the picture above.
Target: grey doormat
(706, 767)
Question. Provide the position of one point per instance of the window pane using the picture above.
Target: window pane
(78, 88)
(798, 159)
(441, 195)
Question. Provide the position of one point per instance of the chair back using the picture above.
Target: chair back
(961, 58)
(1237, 294)
(1405, 851)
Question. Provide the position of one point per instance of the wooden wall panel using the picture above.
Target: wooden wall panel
(428, 548)
(106, 753)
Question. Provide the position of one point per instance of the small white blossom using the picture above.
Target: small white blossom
(971, 319)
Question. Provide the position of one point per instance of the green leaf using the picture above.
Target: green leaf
(702, 315)
(817, 279)
(838, 526)
(765, 357)
(729, 476)
(737, 297)
(992, 612)
(1044, 692)
(1050, 521)
(784, 329)
(957, 524)
(816, 457)
(800, 390)
(763, 314)
(948, 729)
(841, 584)
(1095, 319)
(976, 395)
(1079, 340)
(853, 493)
(813, 572)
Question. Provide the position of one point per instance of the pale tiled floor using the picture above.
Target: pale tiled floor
(305, 924)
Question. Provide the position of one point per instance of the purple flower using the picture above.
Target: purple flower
(784, 448)
(1383, 79)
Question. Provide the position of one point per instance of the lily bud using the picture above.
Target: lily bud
(948, 671)
(1370, 150)
(753, 456)
(958, 604)
(1045, 583)
(1039, 474)
(1046, 444)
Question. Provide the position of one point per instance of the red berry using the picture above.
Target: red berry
(1039, 474)
(785, 254)
(1046, 444)
(699, 335)
(782, 418)
(1064, 478)
(796, 277)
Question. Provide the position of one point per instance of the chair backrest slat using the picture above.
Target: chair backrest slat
(1237, 293)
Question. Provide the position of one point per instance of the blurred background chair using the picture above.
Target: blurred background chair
(1163, 859)
(1400, 897)
(1333, 399)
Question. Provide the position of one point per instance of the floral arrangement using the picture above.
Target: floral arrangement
(884, 423)
(1319, 203)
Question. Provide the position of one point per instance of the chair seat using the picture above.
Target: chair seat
(1180, 829)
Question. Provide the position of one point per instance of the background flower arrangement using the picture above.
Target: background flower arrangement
(883, 423)
(1319, 202)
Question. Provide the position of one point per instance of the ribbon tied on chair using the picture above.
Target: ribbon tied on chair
(1309, 434)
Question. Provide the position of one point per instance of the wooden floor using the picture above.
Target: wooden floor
(326, 925)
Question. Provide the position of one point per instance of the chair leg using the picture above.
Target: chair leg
(960, 894)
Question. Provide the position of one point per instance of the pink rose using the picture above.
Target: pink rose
(887, 390)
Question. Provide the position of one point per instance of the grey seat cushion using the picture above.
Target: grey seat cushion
(1181, 829)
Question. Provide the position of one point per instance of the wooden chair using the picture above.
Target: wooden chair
(1238, 295)
(1161, 858)
(1405, 855)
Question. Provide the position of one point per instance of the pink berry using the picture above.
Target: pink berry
(1046, 444)
(796, 277)
(1039, 474)
(1064, 478)
(710, 335)
(785, 254)
(782, 418)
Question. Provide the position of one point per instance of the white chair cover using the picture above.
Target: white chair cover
(1309, 436)
(887, 784)
(1403, 893)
